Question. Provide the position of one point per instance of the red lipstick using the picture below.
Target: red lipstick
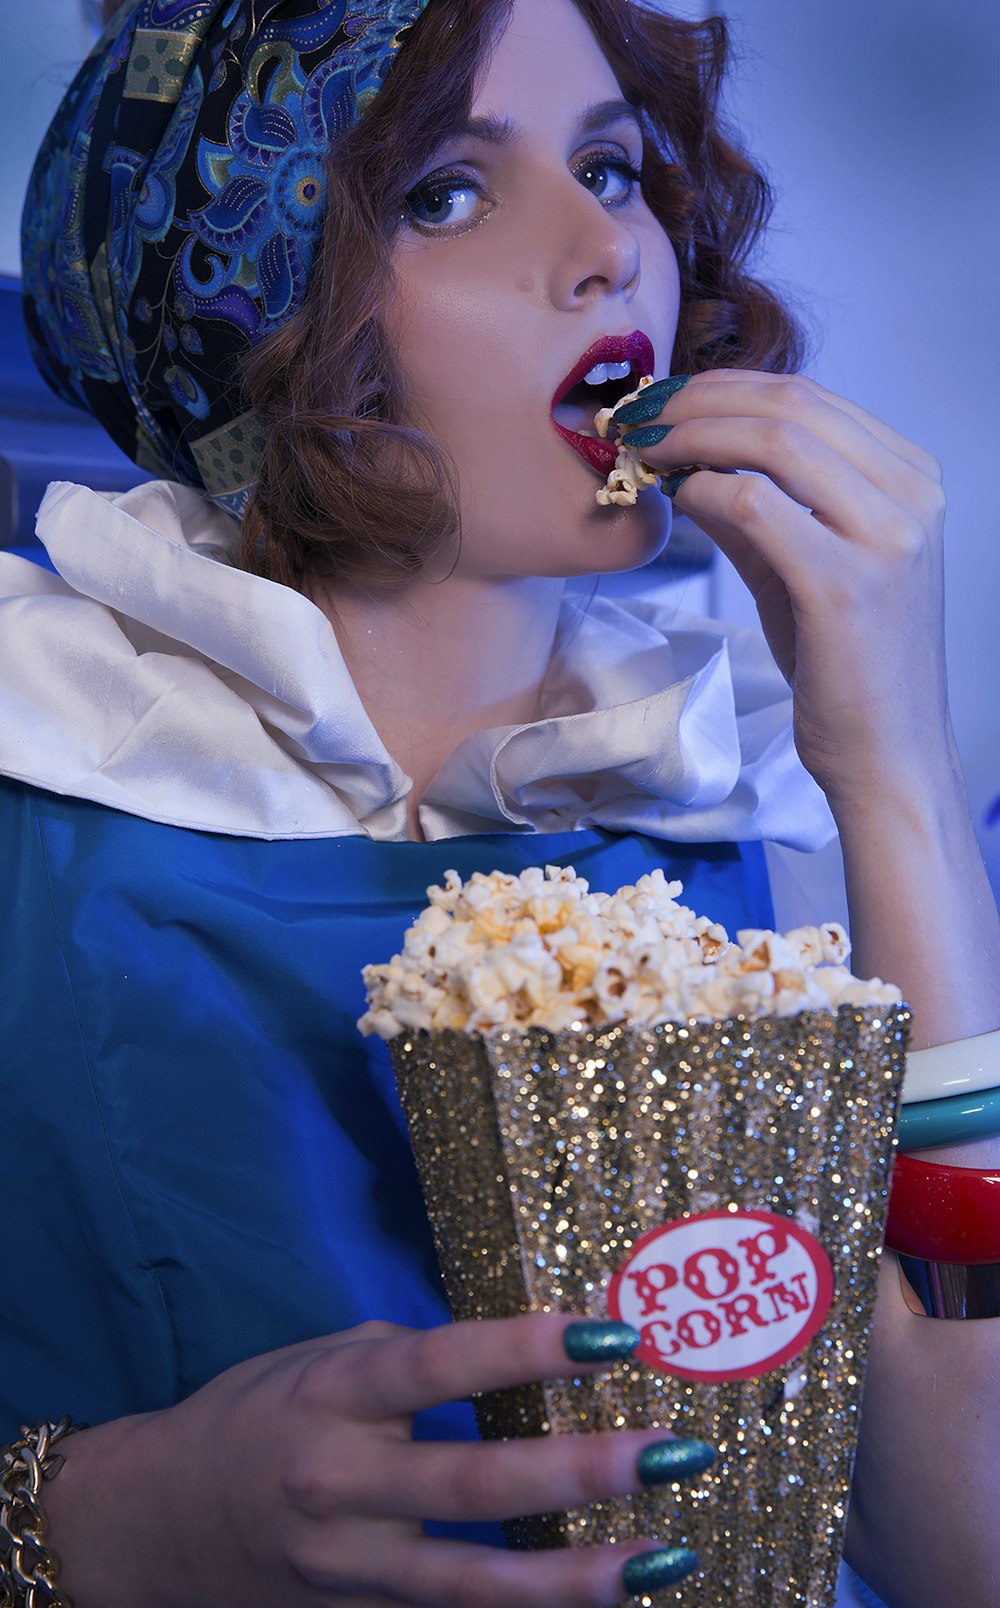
(636, 349)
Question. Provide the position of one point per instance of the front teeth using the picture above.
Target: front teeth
(601, 373)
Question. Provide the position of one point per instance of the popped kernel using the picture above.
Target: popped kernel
(603, 417)
(541, 950)
(628, 477)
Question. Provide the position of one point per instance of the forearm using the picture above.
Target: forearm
(922, 911)
(923, 1525)
(924, 1502)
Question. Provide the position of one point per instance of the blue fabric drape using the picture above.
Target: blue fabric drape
(203, 1158)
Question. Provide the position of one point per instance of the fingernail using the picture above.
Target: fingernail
(652, 399)
(674, 1460)
(649, 436)
(651, 1570)
(599, 1342)
(672, 484)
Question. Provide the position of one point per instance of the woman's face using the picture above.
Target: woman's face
(525, 243)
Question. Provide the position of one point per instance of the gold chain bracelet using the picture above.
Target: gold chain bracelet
(28, 1568)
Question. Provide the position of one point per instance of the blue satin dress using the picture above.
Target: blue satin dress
(203, 1160)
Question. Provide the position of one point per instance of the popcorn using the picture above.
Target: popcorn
(603, 418)
(629, 475)
(541, 950)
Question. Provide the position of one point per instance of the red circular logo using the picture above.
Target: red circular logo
(724, 1294)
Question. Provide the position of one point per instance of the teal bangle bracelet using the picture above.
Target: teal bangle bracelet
(954, 1121)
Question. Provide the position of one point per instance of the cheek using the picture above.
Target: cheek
(459, 351)
(661, 276)
(471, 361)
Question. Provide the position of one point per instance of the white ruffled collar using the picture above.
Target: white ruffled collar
(152, 676)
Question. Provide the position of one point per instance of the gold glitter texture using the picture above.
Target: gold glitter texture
(544, 1157)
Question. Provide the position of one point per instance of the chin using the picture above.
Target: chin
(633, 536)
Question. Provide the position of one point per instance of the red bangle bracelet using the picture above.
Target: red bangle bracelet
(944, 1214)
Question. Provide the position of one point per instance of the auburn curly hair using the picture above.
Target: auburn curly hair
(347, 488)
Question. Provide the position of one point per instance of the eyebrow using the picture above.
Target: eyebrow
(502, 131)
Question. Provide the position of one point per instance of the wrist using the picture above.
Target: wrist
(29, 1567)
(922, 913)
(924, 795)
(98, 1514)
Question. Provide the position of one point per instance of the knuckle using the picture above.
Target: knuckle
(930, 466)
(594, 1479)
(934, 500)
(906, 540)
(310, 1393)
(318, 1563)
(590, 1585)
(753, 499)
(315, 1486)
(476, 1483)
(529, 1340)
(429, 1366)
(475, 1585)
(783, 438)
(376, 1329)
(794, 396)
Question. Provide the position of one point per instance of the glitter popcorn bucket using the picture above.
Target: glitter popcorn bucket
(723, 1187)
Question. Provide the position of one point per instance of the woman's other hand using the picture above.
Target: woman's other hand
(293, 1479)
(837, 533)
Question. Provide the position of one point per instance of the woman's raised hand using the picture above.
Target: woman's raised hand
(293, 1479)
(837, 533)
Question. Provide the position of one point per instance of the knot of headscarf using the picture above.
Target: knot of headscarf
(175, 208)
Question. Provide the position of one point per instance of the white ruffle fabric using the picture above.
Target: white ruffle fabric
(153, 676)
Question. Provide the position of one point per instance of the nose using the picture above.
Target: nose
(597, 253)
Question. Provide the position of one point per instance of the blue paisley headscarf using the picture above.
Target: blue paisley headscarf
(175, 207)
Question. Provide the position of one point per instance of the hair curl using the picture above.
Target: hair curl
(347, 487)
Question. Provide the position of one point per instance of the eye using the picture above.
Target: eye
(609, 176)
(445, 203)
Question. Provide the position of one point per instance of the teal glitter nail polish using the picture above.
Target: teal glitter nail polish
(651, 1571)
(674, 1460)
(672, 483)
(599, 1342)
(649, 436)
(651, 401)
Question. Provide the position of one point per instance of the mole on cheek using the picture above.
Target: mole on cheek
(526, 284)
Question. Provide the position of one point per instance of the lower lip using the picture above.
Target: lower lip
(596, 454)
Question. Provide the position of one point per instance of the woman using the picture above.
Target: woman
(216, 1258)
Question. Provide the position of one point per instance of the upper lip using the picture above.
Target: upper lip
(635, 348)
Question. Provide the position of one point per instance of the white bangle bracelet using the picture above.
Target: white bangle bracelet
(965, 1067)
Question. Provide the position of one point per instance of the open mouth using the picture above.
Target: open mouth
(605, 373)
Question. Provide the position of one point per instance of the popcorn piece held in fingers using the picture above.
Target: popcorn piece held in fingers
(603, 418)
(628, 477)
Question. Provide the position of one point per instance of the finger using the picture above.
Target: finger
(809, 471)
(789, 393)
(456, 1574)
(761, 530)
(466, 1482)
(798, 407)
(400, 1376)
(749, 511)
(751, 566)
